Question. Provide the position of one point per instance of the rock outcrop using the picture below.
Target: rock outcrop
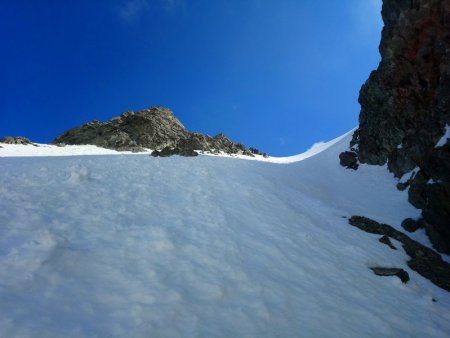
(154, 128)
(150, 128)
(405, 108)
(400, 273)
(349, 159)
(423, 260)
(16, 140)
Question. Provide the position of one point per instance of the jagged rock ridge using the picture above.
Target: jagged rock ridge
(154, 128)
(405, 108)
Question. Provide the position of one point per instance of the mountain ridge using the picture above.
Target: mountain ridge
(154, 128)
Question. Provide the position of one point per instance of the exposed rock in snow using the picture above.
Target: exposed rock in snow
(154, 128)
(16, 140)
(168, 151)
(423, 260)
(400, 273)
(386, 240)
(349, 159)
(149, 128)
(412, 225)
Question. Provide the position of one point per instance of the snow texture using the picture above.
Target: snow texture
(409, 175)
(19, 150)
(443, 140)
(136, 246)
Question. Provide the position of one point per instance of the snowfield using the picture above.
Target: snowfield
(18, 150)
(135, 246)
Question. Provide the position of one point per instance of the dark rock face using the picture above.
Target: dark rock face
(386, 240)
(425, 261)
(155, 128)
(411, 225)
(349, 159)
(167, 151)
(405, 107)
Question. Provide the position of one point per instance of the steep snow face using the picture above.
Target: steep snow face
(136, 246)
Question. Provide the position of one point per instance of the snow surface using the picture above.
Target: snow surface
(136, 246)
(443, 140)
(38, 149)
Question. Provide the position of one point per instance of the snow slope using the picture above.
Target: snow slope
(136, 246)
(38, 149)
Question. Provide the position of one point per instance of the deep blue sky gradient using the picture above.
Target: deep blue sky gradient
(278, 75)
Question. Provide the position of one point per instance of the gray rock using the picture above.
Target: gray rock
(15, 140)
(402, 186)
(424, 260)
(400, 273)
(349, 159)
(155, 128)
(386, 240)
(257, 152)
(152, 128)
(168, 151)
(411, 225)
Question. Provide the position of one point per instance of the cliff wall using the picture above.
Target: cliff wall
(405, 108)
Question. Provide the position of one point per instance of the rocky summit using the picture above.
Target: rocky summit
(153, 128)
(405, 109)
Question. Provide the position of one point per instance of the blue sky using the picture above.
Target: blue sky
(278, 75)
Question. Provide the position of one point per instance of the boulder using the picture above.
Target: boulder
(349, 159)
(400, 273)
(411, 225)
